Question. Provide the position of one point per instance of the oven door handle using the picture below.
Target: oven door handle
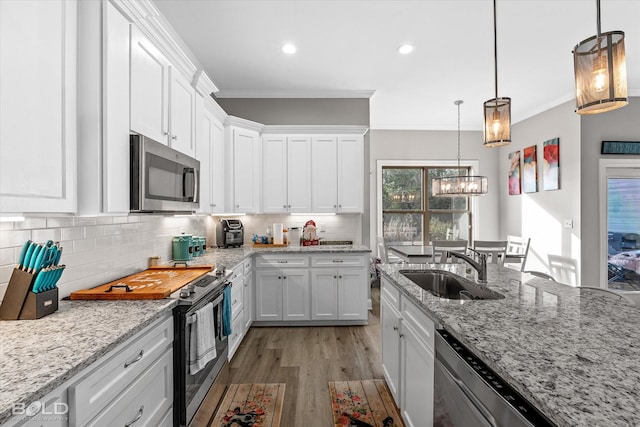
(469, 394)
(192, 319)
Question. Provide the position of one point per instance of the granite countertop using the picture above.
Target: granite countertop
(573, 354)
(36, 356)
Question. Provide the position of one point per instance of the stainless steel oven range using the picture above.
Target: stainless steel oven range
(191, 389)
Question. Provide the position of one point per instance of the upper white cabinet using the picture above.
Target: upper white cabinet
(38, 106)
(337, 174)
(286, 174)
(210, 152)
(162, 98)
(243, 139)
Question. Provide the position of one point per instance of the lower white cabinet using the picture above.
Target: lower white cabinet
(237, 309)
(248, 293)
(282, 294)
(338, 294)
(407, 355)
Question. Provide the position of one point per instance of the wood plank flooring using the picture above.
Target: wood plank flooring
(306, 359)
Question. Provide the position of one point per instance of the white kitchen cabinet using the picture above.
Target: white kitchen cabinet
(210, 152)
(337, 174)
(237, 309)
(286, 174)
(324, 294)
(339, 294)
(248, 293)
(407, 355)
(244, 157)
(182, 114)
(295, 295)
(282, 294)
(268, 304)
(38, 49)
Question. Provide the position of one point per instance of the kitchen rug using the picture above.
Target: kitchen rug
(256, 405)
(366, 403)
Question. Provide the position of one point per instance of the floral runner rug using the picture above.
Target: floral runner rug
(366, 403)
(256, 405)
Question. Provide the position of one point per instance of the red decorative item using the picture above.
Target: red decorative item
(309, 234)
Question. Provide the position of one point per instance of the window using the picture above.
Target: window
(410, 214)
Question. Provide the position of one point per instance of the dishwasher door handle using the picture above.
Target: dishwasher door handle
(469, 394)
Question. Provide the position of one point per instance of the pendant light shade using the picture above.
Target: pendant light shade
(460, 185)
(600, 72)
(497, 111)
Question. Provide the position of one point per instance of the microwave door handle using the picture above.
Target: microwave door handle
(196, 186)
(188, 192)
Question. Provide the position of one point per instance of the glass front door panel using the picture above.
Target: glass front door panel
(623, 233)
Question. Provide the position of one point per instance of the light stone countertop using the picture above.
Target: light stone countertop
(573, 354)
(36, 356)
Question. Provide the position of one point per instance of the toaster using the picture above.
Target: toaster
(229, 233)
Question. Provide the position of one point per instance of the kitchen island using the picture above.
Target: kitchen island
(573, 354)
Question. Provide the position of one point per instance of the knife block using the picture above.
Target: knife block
(20, 303)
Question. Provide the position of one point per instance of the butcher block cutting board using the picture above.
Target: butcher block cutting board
(154, 283)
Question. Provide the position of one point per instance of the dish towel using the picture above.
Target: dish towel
(202, 346)
(226, 312)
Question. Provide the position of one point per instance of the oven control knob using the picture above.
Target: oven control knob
(184, 293)
(191, 289)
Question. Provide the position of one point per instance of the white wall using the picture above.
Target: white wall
(96, 250)
(438, 145)
(539, 215)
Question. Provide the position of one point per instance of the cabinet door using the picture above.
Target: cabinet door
(274, 174)
(296, 299)
(268, 295)
(204, 128)
(352, 294)
(149, 88)
(299, 174)
(350, 174)
(324, 294)
(182, 114)
(248, 301)
(246, 170)
(390, 326)
(38, 170)
(417, 379)
(217, 175)
(324, 174)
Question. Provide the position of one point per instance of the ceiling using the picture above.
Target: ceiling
(348, 48)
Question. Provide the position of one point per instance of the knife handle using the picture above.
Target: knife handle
(23, 253)
(58, 255)
(36, 257)
(40, 279)
(27, 257)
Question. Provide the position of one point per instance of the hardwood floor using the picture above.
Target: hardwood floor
(306, 359)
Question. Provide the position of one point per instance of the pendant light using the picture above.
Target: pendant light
(497, 111)
(460, 185)
(600, 71)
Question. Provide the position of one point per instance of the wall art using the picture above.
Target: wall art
(530, 170)
(551, 164)
(514, 173)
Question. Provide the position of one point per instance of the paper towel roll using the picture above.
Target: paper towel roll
(277, 234)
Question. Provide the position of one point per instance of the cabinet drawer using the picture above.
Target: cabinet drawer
(146, 400)
(236, 273)
(100, 386)
(237, 302)
(419, 321)
(338, 260)
(248, 264)
(282, 261)
(237, 333)
(390, 292)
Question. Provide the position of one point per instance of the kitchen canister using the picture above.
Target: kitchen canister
(182, 248)
(203, 245)
(295, 233)
(277, 233)
(195, 246)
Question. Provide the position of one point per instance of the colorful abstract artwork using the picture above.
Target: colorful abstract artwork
(551, 165)
(514, 173)
(529, 170)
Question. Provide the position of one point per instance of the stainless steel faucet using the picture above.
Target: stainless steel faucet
(480, 267)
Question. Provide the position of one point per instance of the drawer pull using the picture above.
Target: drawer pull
(140, 411)
(282, 262)
(336, 261)
(127, 364)
(395, 328)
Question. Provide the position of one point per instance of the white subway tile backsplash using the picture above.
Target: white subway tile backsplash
(14, 238)
(5, 273)
(96, 231)
(84, 245)
(6, 225)
(104, 220)
(72, 233)
(80, 221)
(8, 256)
(30, 223)
(58, 222)
(42, 235)
(120, 219)
(104, 242)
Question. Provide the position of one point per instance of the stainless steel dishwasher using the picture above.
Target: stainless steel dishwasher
(468, 393)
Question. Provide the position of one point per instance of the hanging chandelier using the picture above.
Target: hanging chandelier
(497, 111)
(600, 71)
(460, 185)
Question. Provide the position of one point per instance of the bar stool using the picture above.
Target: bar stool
(496, 250)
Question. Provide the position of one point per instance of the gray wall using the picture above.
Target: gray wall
(624, 125)
(305, 111)
(539, 215)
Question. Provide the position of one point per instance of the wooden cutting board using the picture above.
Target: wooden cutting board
(154, 283)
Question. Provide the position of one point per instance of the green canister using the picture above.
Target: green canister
(195, 246)
(182, 249)
(203, 245)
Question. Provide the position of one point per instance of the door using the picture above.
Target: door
(390, 326)
(274, 174)
(299, 174)
(268, 295)
(204, 130)
(324, 294)
(246, 170)
(324, 174)
(182, 114)
(352, 294)
(295, 293)
(350, 174)
(149, 89)
(217, 168)
(417, 379)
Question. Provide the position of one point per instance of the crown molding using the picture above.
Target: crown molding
(203, 83)
(215, 109)
(315, 129)
(319, 94)
(243, 123)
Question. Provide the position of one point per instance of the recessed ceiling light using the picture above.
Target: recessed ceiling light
(405, 49)
(289, 48)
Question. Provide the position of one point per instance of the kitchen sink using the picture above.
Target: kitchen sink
(446, 285)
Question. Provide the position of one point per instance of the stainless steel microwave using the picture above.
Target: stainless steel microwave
(162, 179)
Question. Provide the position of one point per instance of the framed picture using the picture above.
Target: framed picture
(551, 164)
(530, 170)
(620, 147)
(514, 173)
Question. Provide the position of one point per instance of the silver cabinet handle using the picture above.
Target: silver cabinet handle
(334, 206)
(140, 411)
(127, 364)
(237, 206)
(284, 277)
(289, 206)
(174, 137)
(339, 277)
(335, 277)
(164, 132)
(338, 260)
(401, 335)
(279, 277)
(339, 206)
(395, 328)
(282, 262)
(284, 206)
